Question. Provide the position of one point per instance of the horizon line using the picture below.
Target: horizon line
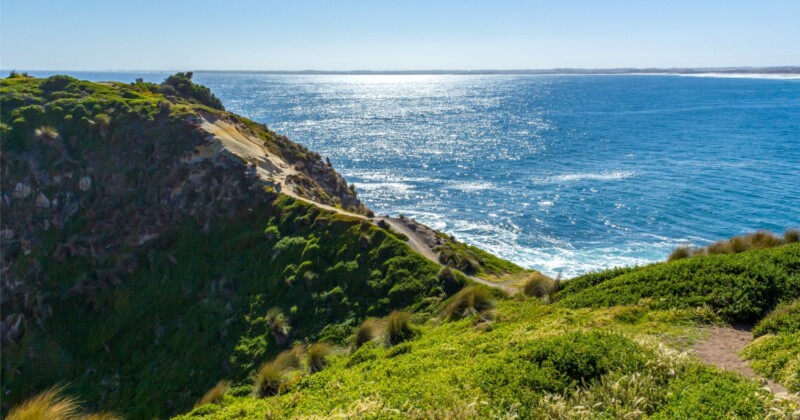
(555, 70)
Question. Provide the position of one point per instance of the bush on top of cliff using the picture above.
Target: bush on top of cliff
(740, 287)
(181, 84)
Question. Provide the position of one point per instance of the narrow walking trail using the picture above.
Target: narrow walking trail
(722, 348)
(275, 171)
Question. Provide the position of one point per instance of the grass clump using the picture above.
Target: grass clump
(215, 394)
(52, 404)
(368, 330)
(45, 133)
(469, 301)
(278, 326)
(540, 286)
(317, 357)
(398, 328)
(272, 375)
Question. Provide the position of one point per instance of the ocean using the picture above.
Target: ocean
(565, 174)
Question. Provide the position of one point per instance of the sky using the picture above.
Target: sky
(396, 35)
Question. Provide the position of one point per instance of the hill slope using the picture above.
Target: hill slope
(145, 238)
(160, 254)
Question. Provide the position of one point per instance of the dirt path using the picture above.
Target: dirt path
(414, 241)
(722, 348)
(273, 169)
(417, 244)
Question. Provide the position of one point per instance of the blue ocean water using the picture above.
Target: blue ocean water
(559, 173)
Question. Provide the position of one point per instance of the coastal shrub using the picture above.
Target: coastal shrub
(737, 244)
(585, 281)
(467, 302)
(398, 327)
(317, 357)
(540, 286)
(182, 84)
(680, 253)
(777, 357)
(739, 287)
(270, 376)
(784, 319)
(215, 394)
(366, 332)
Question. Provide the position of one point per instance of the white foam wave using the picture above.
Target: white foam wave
(576, 177)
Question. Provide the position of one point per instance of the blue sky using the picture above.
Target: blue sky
(399, 35)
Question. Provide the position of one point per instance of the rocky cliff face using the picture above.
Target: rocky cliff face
(95, 170)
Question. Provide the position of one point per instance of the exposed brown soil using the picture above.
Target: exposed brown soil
(722, 348)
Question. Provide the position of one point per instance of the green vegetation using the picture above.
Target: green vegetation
(737, 244)
(472, 260)
(146, 327)
(739, 287)
(776, 351)
(223, 295)
(784, 319)
(777, 357)
(469, 301)
(538, 361)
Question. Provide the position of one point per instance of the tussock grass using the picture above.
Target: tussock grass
(54, 405)
(753, 241)
(540, 286)
(270, 376)
(45, 133)
(50, 404)
(215, 394)
(317, 357)
(278, 325)
(366, 332)
(469, 301)
(398, 328)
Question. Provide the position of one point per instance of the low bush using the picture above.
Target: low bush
(777, 357)
(737, 244)
(469, 301)
(783, 320)
(739, 287)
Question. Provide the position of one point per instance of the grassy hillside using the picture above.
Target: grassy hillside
(141, 277)
(740, 287)
(523, 358)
